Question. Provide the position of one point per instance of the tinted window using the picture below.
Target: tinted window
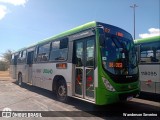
(22, 57)
(79, 53)
(43, 53)
(14, 59)
(90, 52)
(150, 52)
(158, 55)
(59, 50)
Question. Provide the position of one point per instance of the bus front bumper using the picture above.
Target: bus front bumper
(104, 97)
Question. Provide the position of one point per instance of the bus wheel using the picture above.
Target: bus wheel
(61, 91)
(20, 79)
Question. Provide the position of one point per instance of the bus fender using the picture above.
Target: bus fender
(55, 81)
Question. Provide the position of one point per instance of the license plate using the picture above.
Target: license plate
(129, 98)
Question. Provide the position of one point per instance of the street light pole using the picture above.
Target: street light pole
(134, 6)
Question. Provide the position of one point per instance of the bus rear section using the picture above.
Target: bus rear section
(13, 65)
(148, 51)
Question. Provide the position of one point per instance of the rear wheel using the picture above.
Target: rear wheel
(20, 79)
(61, 91)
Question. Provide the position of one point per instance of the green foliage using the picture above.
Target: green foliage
(7, 56)
(3, 66)
(5, 62)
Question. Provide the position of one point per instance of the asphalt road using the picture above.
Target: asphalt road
(29, 98)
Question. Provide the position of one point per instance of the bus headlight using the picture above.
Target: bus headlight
(108, 85)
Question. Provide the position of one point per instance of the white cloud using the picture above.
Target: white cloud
(14, 2)
(152, 32)
(3, 11)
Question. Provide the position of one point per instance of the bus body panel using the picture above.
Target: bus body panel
(148, 52)
(12, 71)
(22, 69)
(150, 77)
(43, 75)
(114, 97)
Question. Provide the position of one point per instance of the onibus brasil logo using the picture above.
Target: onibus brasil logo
(7, 113)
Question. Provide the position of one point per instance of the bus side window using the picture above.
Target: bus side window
(59, 50)
(35, 55)
(22, 57)
(43, 53)
(158, 55)
(12, 59)
(146, 56)
(150, 52)
(15, 60)
(30, 57)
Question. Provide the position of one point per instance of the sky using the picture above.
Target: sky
(25, 22)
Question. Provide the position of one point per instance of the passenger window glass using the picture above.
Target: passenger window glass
(79, 53)
(55, 45)
(158, 55)
(64, 44)
(24, 54)
(43, 53)
(90, 52)
(22, 57)
(59, 50)
(150, 52)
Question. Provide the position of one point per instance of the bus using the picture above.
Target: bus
(148, 51)
(94, 62)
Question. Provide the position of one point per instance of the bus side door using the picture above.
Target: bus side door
(29, 66)
(84, 59)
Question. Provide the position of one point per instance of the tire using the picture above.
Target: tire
(61, 91)
(20, 79)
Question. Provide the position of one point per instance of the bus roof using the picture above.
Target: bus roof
(70, 32)
(63, 34)
(147, 40)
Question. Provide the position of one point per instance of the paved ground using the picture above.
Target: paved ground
(30, 98)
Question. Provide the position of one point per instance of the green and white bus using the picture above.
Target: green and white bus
(94, 62)
(149, 64)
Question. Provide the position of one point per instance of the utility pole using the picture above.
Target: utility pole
(134, 6)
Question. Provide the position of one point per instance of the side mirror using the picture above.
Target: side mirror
(102, 40)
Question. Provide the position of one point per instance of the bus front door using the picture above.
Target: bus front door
(84, 59)
(29, 66)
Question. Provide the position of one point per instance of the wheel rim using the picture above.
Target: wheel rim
(62, 91)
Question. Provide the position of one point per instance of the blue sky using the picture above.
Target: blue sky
(25, 22)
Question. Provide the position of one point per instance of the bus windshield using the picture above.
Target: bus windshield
(119, 56)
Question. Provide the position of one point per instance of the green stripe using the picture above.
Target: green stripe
(146, 40)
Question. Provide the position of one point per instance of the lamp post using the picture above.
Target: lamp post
(134, 6)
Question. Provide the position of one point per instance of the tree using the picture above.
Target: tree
(3, 66)
(7, 56)
(5, 62)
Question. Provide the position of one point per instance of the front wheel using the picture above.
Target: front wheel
(61, 91)
(20, 79)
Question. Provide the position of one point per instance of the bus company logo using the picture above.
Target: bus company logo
(7, 113)
(48, 71)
